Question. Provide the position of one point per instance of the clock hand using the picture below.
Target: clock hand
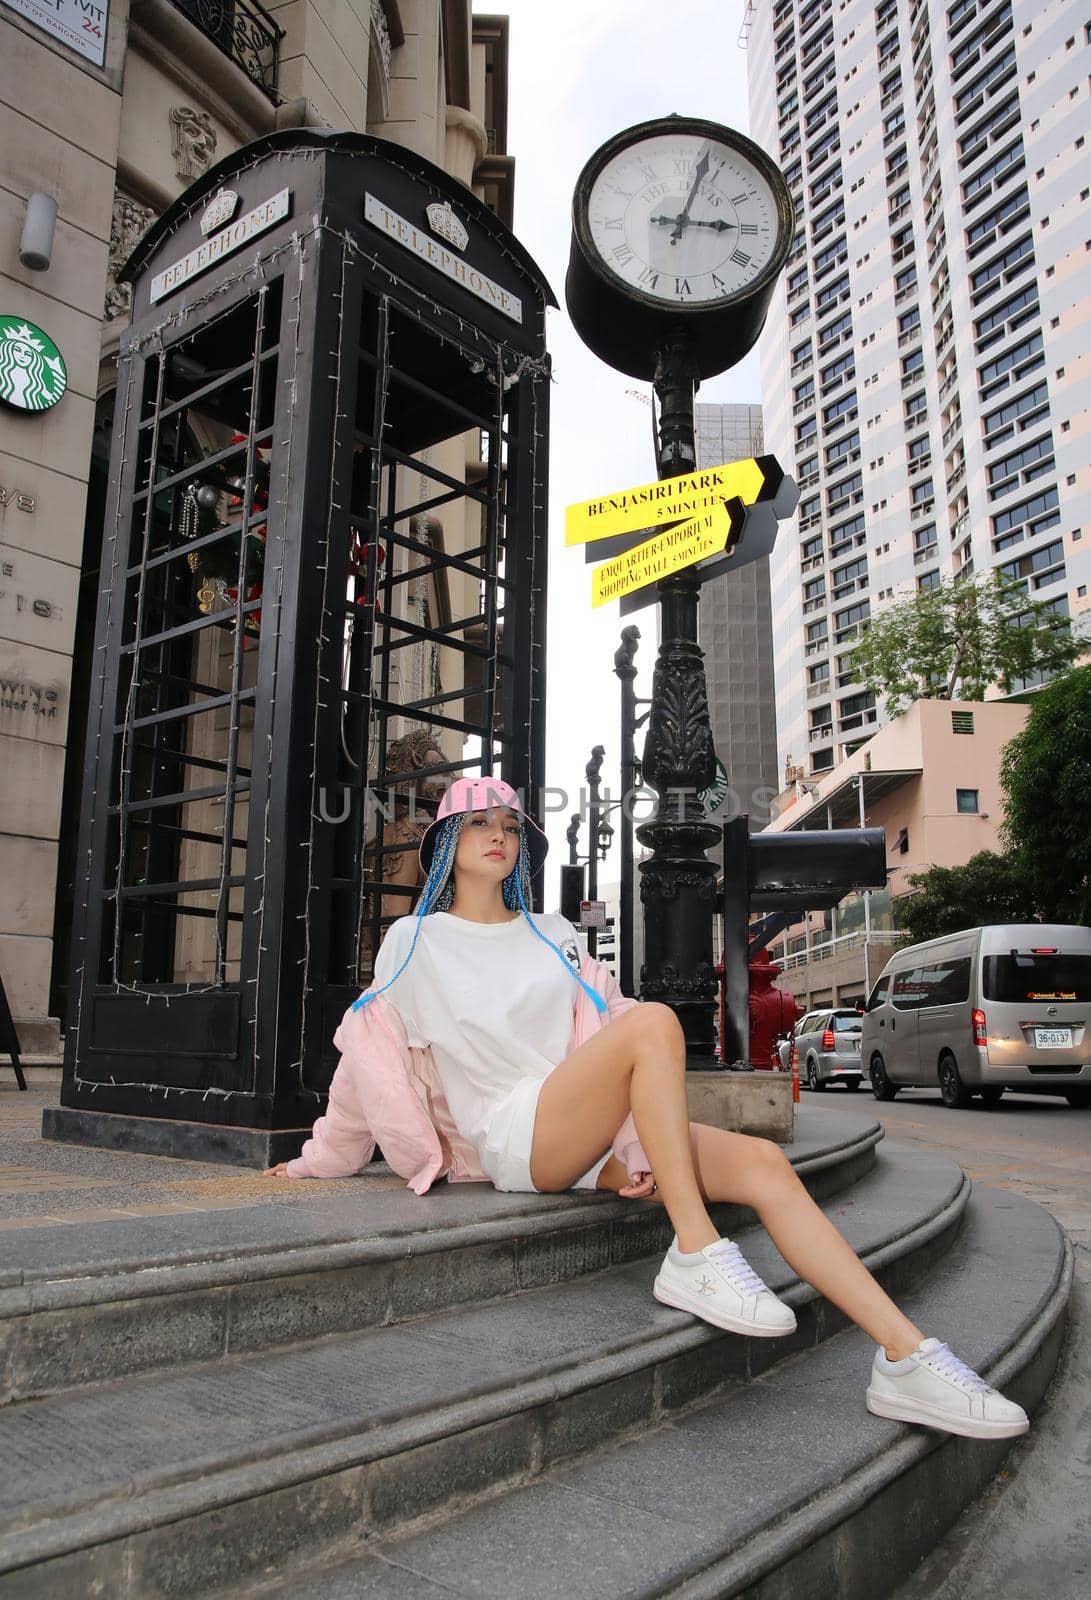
(683, 216)
(698, 222)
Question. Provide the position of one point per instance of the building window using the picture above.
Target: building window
(856, 710)
(847, 622)
(838, 371)
(916, 408)
(829, 296)
(973, 97)
(840, 410)
(847, 492)
(1017, 415)
(1037, 568)
(1016, 259)
(844, 451)
(849, 577)
(997, 222)
(924, 542)
(928, 580)
(966, 801)
(1004, 165)
(1026, 520)
(1021, 467)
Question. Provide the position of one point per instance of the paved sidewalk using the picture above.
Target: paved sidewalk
(43, 1183)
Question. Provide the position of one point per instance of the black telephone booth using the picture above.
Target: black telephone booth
(323, 595)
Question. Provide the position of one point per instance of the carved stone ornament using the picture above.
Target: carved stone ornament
(130, 222)
(381, 34)
(192, 141)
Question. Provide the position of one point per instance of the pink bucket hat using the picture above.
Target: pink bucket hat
(483, 794)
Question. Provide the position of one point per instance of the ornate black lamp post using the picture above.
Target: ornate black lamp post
(593, 771)
(625, 670)
(680, 230)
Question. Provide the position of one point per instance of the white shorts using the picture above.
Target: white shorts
(505, 1154)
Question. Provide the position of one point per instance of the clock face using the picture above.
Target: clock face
(684, 219)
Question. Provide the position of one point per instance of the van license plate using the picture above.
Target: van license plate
(1053, 1038)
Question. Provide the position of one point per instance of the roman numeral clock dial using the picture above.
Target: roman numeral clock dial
(677, 217)
(683, 219)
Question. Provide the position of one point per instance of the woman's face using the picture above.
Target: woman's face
(489, 843)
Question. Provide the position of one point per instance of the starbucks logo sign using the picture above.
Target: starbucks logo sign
(33, 375)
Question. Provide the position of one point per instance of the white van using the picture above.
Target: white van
(983, 1011)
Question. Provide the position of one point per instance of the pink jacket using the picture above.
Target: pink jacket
(388, 1092)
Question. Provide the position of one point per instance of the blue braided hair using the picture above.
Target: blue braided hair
(438, 893)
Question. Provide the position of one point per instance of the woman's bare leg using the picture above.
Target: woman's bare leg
(741, 1170)
(636, 1063)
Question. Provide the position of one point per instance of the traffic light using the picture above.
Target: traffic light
(571, 893)
(783, 875)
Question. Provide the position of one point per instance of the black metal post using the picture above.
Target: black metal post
(736, 920)
(572, 834)
(593, 770)
(625, 669)
(678, 882)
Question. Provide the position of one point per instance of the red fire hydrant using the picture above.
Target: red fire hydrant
(772, 1011)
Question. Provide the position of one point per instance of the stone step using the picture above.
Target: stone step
(784, 1488)
(108, 1300)
(172, 1483)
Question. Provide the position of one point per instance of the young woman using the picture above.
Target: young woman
(489, 986)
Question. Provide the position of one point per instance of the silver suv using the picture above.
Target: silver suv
(829, 1048)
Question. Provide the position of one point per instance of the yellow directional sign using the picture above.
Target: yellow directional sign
(666, 500)
(680, 547)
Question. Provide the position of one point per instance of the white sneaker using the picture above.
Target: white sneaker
(717, 1284)
(934, 1387)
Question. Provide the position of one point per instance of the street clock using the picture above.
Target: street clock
(679, 226)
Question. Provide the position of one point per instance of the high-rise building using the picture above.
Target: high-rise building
(736, 634)
(926, 360)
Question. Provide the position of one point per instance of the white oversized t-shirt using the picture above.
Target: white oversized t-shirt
(496, 1006)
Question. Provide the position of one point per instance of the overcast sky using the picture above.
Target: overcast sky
(578, 74)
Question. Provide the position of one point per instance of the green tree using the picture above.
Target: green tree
(962, 636)
(988, 889)
(1046, 778)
